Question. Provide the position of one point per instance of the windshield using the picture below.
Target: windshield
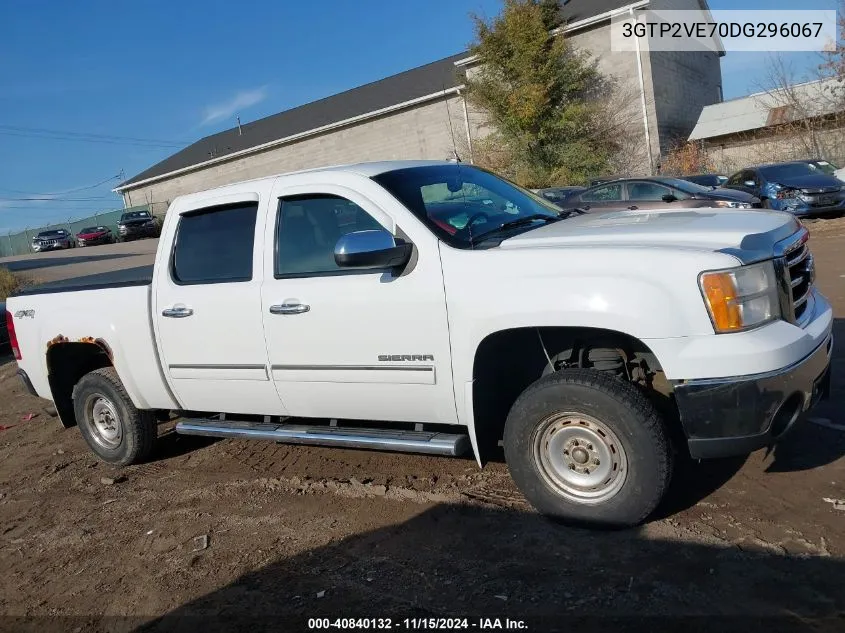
(93, 229)
(789, 170)
(135, 215)
(461, 204)
(824, 166)
(52, 233)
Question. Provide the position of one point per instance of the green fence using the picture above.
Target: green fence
(20, 243)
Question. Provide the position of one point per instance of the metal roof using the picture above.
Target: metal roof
(577, 10)
(406, 86)
(752, 112)
(397, 89)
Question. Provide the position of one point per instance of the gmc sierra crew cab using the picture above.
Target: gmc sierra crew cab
(436, 307)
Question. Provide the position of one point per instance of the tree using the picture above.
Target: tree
(545, 100)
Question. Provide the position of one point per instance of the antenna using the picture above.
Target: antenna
(240, 131)
(457, 157)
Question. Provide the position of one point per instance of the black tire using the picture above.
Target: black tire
(131, 433)
(531, 438)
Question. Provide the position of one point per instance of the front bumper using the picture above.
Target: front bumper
(57, 246)
(736, 416)
(131, 231)
(94, 241)
(803, 209)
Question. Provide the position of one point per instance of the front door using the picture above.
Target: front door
(366, 345)
(605, 197)
(207, 305)
(643, 194)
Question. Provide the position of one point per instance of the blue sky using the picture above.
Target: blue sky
(169, 72)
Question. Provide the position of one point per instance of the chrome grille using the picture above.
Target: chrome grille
(800, 273)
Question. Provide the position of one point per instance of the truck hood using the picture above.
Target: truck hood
(748, 235)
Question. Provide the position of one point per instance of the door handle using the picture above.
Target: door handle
(289, 308)
(178, 312)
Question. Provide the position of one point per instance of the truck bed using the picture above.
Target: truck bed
(138, 276)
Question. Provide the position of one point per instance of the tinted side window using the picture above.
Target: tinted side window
(736, 179)
(215, 245)
(606, 193)
(646, 191)
(308, 230)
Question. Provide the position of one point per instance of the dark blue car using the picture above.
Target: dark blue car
(799, 188)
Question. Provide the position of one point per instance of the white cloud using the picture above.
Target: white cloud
(241, 101)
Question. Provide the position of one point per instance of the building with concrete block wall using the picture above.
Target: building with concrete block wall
(422, 114)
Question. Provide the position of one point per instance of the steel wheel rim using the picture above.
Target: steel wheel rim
(580, 458)
(105, 424)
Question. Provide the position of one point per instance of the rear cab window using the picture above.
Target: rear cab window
(215, 245)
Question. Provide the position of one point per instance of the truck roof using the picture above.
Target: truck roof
(366, 169)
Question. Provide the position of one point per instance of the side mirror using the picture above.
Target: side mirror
(371, 250)
(668, 197)
(750, 183)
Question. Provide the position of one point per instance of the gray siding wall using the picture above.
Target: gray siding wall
(418, 132)
(684, 82)
(676, 86)
(621, 69)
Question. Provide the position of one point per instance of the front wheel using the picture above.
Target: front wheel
(587, 447)
(113, 428)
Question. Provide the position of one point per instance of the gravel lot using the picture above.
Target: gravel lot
(78, 262)
(287, 533)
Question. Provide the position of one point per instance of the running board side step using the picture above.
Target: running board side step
(379, 439)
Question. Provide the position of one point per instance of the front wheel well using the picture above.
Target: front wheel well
(508, 361)
(67, 363)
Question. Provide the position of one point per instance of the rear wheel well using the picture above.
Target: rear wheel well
(507, 362)
(67, 363)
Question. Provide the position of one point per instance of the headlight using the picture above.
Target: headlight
(727, 204)
(741, 298)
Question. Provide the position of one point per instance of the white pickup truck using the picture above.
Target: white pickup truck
(435, 307)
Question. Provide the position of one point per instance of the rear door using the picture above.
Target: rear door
(643, 194)
(207, 304)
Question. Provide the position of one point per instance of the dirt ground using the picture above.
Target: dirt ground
(236, 535)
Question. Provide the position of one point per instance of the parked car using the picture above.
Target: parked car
(94, 235)
(587, 346)
(4, 328)
(137, 224)
(556, 195)
(656, 193)
(707, 180)
(796, 187)
(53, 239)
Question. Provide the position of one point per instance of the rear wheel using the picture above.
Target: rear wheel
(113, 428)
(586, 447)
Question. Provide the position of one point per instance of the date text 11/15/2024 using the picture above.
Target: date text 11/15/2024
(417, 624)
